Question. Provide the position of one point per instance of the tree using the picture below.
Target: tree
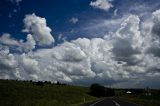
(40, 83)
(97, 90)
(110, 92)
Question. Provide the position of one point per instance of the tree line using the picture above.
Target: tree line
(101, 91)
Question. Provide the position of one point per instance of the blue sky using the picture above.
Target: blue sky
(58, 14)
(114, 42)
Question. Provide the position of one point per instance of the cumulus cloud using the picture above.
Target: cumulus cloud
(29, 44)
(7, 63)
(128, 38)
(101, 4)
(37, 26)
(19, 45)
(29, 67)
(127, 57)
(156, 23)
(74, 20)
(7, 40)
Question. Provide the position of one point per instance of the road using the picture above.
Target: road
(111, 102)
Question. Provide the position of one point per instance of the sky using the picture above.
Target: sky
(112, 42)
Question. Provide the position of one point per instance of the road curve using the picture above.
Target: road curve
(111, 102)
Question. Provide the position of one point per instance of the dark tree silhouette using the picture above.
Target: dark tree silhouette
(97, 90)
(40, 83)
(110, 92)
(47, 82)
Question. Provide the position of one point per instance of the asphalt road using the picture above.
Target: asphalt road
(111, 102)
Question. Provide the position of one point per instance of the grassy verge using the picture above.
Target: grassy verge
(18, 93)
(143, 100)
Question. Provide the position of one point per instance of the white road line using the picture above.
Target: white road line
(128, 101)
(116, 103)
(96, 102)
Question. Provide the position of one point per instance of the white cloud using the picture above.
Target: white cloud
(37, 26)
(30, 43)
(7, 59)
(7, 63)
(127, 57)
(74, 20)
(156, 16)
(29, 67)
(101, 4)
(7, 40)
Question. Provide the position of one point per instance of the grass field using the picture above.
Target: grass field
(19, 93)
(26, 93)
(142, 98)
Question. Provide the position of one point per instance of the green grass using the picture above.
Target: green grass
(18, 93)
(141, 99)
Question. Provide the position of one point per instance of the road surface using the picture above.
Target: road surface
(111, 102)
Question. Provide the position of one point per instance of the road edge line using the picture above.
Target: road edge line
(117, 104)
(122, 99)
(97, 102)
